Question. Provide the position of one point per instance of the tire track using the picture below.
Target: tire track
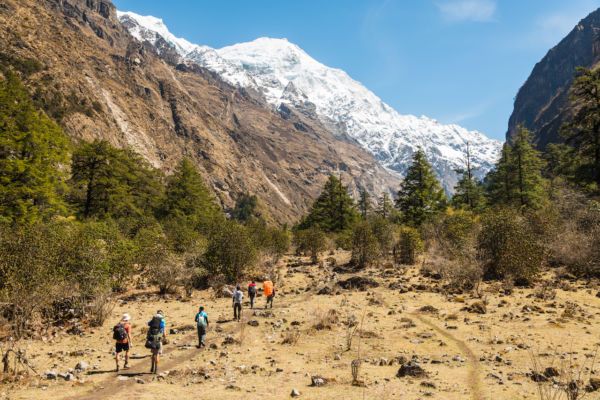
(474, 379)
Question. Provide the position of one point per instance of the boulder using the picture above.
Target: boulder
(295, 393)
(82, 366)
(411, 368)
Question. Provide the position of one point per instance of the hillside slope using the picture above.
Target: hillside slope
(542, 103)
(99, 82)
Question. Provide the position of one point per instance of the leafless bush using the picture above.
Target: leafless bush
(100, 308)
(326, 320)
(291, 337)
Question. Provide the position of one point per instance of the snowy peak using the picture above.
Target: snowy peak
(286, 74)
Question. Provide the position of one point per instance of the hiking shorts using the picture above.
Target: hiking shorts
(120, 347)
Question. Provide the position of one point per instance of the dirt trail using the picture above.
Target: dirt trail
(474, 381)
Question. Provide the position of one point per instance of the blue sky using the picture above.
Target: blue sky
(459, 61)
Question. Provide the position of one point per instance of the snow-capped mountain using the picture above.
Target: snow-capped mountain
(286, 74)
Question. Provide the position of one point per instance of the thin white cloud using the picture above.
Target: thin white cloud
(467, 10)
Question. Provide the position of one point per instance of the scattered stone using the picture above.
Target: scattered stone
(477, 308)
(325, 290)
(594, 383)
(51, 375)
(429, 309)
(81, 366)
(140, 381)
(551, 372)
(253, 322)
(229, 339)
(358, 282)
(317, 381)
(428, 384)
(537, 377)
(295, 393)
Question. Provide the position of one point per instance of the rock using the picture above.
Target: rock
(337, 357)
(595, 383)
(226, 292)
(358, 282)
(478, 308)
(537, 377)
(429, 309)
(295, 393)
(551, 372)
(51, 375)
(253, 322)
(411, 368)
(317, 381)
(173, 331)
(82, 366)
(229, 339)
(325, 290)
(428, 384)
(140, 381)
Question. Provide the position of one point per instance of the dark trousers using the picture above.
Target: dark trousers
(237, 311)
(201, 335)
(252, 300)
(270, 300)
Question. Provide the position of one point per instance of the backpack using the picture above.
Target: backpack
(154, 326)
(154, 336)
(252, 290)
(119, 332)
(201, 321)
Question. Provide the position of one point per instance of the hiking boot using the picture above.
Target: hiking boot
(126, 366)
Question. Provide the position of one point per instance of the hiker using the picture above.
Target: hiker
(269, 292)
(252, 293)
(122, 335)
(202, 324)
(155, 338)
(237, 303)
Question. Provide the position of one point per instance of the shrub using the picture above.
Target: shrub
(312, 241)
(365, 247)
(508, 246)
(383, 230)
(230, 250)
(409, 246)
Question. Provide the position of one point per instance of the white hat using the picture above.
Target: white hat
(126, 317)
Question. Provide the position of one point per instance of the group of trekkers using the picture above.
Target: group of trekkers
(156, 336)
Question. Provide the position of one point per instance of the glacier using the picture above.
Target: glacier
(286, 75)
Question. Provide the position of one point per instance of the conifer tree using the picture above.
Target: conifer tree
(468, 193)
(33, 157)
(420, 195)
(334, 210)
(385, 206)
(188, 197)
(364, 203)
(583, 131)
(517, 179)
(111, 182)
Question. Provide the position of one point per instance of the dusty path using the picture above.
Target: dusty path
(474, 382)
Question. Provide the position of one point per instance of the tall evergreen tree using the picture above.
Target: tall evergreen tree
(468, 193)
(517, 179)
(334, 210)
(111, 182)
(246, 208)
(385, 206)
(364, 203)
(583, 131)
(33, 157)
(420, 195)
(187, 196)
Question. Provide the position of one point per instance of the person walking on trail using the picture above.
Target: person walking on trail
(122, 335)
(155, 338)
(269, 292)
(202, 325)
(252, 293)
(237, 303)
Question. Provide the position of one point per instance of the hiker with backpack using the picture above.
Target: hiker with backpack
(202, 325)
(252, 293)
(269, 292)
(122, 336)
(237, 303)
(155, 338)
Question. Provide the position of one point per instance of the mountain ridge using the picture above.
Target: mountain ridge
(268, 66)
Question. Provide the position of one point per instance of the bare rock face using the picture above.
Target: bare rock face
(542, 104)
(134, 95)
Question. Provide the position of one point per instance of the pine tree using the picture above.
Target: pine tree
(420, 195)
(364, 203)
(334, 210)
(33, 157)
(468, 193)
(517, 179)
(246, 208)
(583, 131)
(111, 182)
(188, 197)
(385, 206)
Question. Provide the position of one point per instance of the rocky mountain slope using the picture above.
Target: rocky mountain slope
(285, 75)
(542, 103)
(86, 70)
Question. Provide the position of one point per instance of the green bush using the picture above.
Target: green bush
(409, 246)
(365, 246)
(310, 241)
(230, 250)
(508, 246)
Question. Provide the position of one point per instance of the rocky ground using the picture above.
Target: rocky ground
(408, 339)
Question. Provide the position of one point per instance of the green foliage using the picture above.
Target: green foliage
(457, 232)
(188, 199)
(517, 179)
(364, 203)
(420, 196)
(409, 245)
(246, 208)
(384, 232)
(468, 193)
(582, 132)
(113, 183)
(230, 250)
(365, 247)
(385, 207)
(509, 246)
(334, 210)
(311, 240)
(33, 157)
